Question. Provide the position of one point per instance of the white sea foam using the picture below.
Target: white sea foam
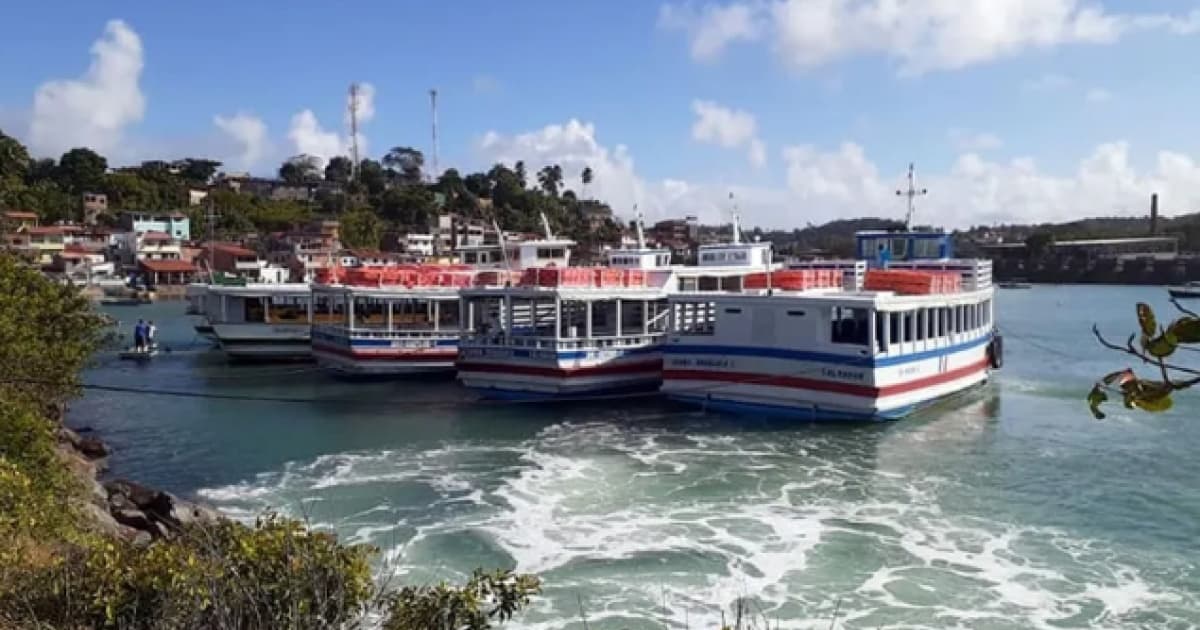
(626, 517)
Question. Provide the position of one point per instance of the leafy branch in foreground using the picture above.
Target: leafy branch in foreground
(1153, 347)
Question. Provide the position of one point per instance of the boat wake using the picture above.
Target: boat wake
(646, 526)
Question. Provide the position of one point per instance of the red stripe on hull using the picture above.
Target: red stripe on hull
(850, 389)
(416, 356)
(504, 368)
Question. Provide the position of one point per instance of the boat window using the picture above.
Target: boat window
(694, 318)
(733, 311)
(894, 326)
(943, 322)
(796, 313)
(849, 325)
(909, 326)
(926, 248)
(880, 340)
(930, 322)
(899, 248)
(549, 252)
(253, 310)
(919, 317)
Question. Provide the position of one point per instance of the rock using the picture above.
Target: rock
(141, 496)
(118, 501)
(67, 436)
(99, 520)
(141, 539)
(99, 495)
(84, 429)
(188, 513)
(79, 465)
(93, 448)
(136, 519)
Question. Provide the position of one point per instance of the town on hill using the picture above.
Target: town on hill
(165, 223)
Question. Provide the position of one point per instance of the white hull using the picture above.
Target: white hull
(500, 372)
(264, 341)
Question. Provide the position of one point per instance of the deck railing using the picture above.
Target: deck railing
(383, 333)
(500, 340)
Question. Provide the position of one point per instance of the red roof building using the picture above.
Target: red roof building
(167, 271)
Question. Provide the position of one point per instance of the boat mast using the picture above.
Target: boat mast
(641, 234)
(911, 194)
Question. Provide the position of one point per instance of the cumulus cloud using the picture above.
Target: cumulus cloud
(964, 140)
(94, 109)
(309, 137)
(712, 28)
(921, 35)
(249, 133)
(825, 184)
(728, 128)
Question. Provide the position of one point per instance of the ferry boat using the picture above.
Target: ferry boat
(261, 321)
(390, 321)
(1189, 290)
(903, 331)
(563, 331)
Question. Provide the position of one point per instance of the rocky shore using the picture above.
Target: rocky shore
(119, 507)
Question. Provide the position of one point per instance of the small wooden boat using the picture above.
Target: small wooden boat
(133, 354)
(1189, 290)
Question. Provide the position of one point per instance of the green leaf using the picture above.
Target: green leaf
(1095, 398)
(1098, 396)
(1186, 329)
(1146, 319)
(1161, 346)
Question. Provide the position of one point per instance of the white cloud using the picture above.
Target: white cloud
(728, 128)
(94, 109)
(964, 140)
(308, 136)
(712, 28)
(921, 35)
(249, 133)
(1098, 95)
(823, 185)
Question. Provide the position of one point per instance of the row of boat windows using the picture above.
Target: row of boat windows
(929, 324)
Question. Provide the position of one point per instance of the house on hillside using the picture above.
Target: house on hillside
(236, 260)
(175, 224)
(45, 242)
(167, 272)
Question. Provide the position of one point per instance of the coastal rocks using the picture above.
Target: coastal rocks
(93, 448)
(161, 514)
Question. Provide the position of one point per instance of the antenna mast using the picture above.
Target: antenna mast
(353, 105)
(433, 113)
(912, 193)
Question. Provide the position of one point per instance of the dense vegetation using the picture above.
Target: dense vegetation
(1156, 346)
(58, 570)
(394, 194)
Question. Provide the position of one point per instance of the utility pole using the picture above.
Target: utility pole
(353, 105)
(433, 113)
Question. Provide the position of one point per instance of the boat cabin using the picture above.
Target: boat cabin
(880, 247)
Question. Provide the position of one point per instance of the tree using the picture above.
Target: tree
(14, 159)
(42, 170)
(1039, 243)
(1155, 346)
(519, 169)
(361, 229)
(408, 161)
(409, 206)
(127, 190)
(485, 599)
(80, 170)
(197, 170)
(339, 169)
(300, 169)
(550, 178)
(372, 176)
(587, 176)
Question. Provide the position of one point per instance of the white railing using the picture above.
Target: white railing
(500, 340)
(854, 272)
(976, 274)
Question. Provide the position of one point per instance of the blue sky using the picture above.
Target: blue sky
(1013, 109)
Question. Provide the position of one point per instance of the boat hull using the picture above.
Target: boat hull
(813, 386)
(518, 373)
(383, 357)
(264, 342)
(1184, 293)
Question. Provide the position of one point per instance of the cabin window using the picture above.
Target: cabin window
(943, 323)
(894, 328)
(796, 313)
(733, 311)
(850, 325)
(920, 316)
(909, 326)
(546, 253)
(694, 318)
(958, 319)
(899, 248)
(930, 322)
(926, 248)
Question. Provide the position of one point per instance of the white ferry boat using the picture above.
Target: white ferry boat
(390, 321)
(906, 329)
(566, 331)
(269, 322)
(409, 320)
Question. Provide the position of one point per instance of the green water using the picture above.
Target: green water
(1011, 508)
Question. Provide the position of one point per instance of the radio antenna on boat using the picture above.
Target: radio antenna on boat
(911, 194)
(546, 227)
(641, 234)
(503, 247)
(737, 221)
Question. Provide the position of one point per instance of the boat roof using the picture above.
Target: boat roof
(569, 293)
(878, 300)
(389, 291)
(258, 289)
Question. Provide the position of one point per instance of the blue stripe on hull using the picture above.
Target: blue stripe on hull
(820, 357)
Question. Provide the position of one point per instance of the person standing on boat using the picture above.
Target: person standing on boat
(151, 331)
(139, 335)
(885, 256)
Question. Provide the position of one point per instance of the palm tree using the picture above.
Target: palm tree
(587, 178)
(519, 169)
(550, 178)
(408, 161)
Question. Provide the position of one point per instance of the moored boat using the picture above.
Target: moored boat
(267, 322)
(1189, 290)
(902, 331)
(562, 331)
(391, 321)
